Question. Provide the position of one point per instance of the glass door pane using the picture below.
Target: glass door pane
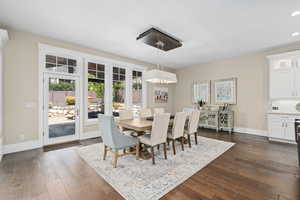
(62, 109)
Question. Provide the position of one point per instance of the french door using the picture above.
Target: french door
(61, 108)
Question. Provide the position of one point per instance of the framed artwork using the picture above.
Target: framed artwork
(225, 91)
(161, 95)
(201, 91)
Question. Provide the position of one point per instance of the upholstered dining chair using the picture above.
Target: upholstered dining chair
(126, 115)
(188, 110)
(158, 134)
(114, 140)
(193, 126)
(145, 112)
(158, 111)
(178, 130)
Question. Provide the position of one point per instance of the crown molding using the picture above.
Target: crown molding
(3, 37)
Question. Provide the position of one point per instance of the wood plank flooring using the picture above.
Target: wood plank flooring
(253, 169)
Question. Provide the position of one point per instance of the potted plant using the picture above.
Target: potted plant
(201, 103)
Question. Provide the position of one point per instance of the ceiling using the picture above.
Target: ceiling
(209, 29)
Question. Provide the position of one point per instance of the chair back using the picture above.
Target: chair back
(188, 110)
(107, 125)
(125, 114)
(178, 124)
(193, 121)
(159, 130)
(158, 111)
(145, 112)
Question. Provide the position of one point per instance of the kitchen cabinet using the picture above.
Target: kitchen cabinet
(281, 127)
(284, 73)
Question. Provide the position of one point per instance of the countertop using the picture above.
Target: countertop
(283, 113)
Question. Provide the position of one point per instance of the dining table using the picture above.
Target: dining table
(140, 126)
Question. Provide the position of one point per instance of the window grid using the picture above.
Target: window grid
(60, 64)
(96, 90)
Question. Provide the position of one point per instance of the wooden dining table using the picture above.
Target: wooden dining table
(140, 127)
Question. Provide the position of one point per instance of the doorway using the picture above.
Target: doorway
(61, 108)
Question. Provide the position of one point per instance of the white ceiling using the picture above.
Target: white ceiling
(209, 29)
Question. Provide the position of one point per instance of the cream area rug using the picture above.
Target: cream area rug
(140, 180)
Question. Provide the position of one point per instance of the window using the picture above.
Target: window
(137, 94)
(96, 88)
(60, 64)
(118, 93)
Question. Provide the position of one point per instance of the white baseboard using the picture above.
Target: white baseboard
(281, 140)
(250, 131)
(23, 146)
(35, 144)
(89, 135)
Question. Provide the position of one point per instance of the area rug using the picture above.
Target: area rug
(140, 180)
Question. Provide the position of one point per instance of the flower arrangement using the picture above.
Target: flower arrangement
(70, 100)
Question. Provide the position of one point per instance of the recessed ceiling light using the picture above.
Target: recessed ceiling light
(295, 13)
(295, 34)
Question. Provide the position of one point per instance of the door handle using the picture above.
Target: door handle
(77, 112)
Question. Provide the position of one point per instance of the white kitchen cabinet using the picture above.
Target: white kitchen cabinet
(282, 127)
(284, 75)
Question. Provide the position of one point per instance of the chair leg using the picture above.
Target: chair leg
(189, 140)
(116, 158)
(153, 159)
(137, 149)
(174, 149)
(165, 150)
(104, 152)
(196, 141)
(182, 143)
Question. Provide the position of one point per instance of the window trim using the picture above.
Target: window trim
(144, 87)
(88, 121)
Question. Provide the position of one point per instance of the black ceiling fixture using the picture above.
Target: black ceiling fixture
(158, 39)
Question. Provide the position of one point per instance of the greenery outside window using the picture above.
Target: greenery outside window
(119, 91)
(96, 88)
(137, 86)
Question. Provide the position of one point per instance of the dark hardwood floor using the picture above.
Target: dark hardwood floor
(253, 169)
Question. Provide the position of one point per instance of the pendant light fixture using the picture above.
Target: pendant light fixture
(163, 42)
(157, 75)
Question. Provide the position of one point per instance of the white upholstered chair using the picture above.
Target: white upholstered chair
(178, 130)
(158, 133)
(145, 112)
(126, 115)
(193, 126)
(188, 110)
(158, 111)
